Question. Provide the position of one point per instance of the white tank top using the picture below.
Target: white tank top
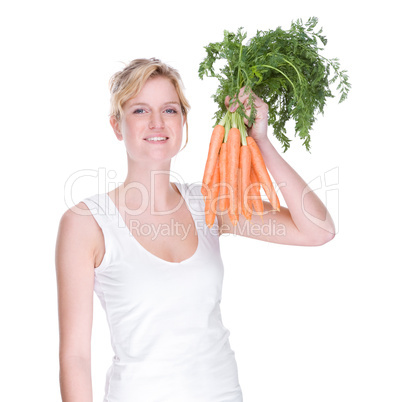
(169, 342)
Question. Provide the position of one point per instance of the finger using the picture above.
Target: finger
(260, 106)
(231, 103)
(245, 96)
(260, 111)
(247, 113)
(242, 97)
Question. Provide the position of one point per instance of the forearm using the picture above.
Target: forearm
(308, 213)
(75, 380)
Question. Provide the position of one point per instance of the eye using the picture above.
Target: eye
(171, 111)
(139, 111)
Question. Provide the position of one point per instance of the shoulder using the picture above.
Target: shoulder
(75, 280)
(79, 231)
(190, 188)
(191, 191)
(196, 203)
(77, 218)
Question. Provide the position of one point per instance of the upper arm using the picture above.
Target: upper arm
(275, 227)
(75, 257)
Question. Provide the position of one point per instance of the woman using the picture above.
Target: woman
(146, 251)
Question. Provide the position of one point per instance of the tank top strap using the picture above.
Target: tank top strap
(118, 238)
(103, 212)
(101, 208)
(191, 193)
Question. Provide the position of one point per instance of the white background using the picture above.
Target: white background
(307, 324)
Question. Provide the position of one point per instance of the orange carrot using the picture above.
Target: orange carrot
(258, 164)
(233, 155)
(254, 178)
(245, 167)
(255, 193)
(239, 192)
(204, 190)
(214, 145)
(211, 199)
(224, 192)
(249, 202)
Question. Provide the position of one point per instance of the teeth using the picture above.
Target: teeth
(156, 138)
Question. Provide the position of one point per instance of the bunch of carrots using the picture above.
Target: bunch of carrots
(286, 70)
(234, 173)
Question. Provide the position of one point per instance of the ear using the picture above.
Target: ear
(116, 127)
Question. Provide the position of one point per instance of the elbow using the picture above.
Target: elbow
(321, 238)
(321, 233)
(327, 238)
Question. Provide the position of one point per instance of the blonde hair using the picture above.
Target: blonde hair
(126, 84)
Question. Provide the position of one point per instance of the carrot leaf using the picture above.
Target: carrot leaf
(285, 68)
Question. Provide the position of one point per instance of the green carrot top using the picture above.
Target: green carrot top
(284, 68)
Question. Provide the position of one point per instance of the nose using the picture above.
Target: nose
(156, 121)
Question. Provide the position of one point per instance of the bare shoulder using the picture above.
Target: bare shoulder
(79, 231)
(75, 260)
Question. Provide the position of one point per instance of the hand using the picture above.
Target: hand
(259, 130)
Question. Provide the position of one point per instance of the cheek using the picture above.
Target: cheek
(134, 131)
(181, 125)
(180, 132)
(133, 139)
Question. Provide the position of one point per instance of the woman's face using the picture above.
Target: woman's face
(154, 113)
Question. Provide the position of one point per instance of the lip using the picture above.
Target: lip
(151, 136)
(156, 142)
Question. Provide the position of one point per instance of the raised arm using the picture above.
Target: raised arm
(75, 256)
(291, 225)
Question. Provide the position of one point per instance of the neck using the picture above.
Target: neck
(147, 186)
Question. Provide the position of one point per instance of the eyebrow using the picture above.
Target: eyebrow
(130, 104)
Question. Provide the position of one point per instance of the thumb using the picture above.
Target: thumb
(232, 103)
(227, 99)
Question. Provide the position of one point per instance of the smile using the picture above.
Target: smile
(157, 139)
